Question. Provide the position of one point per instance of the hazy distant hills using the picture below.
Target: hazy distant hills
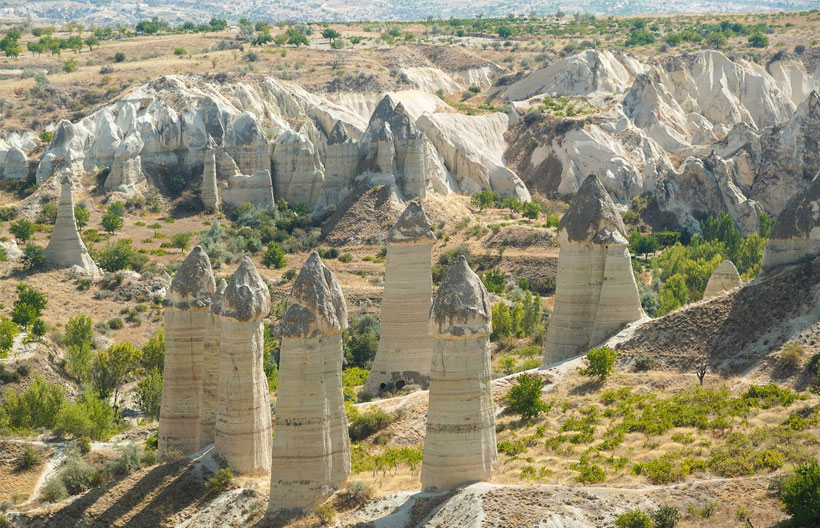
(108, 12)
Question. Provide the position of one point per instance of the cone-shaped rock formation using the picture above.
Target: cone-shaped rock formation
(405, 348)
(208, 191)
(311, 453)
(243, 419)
(459, 446)
(795, 236)
(210, 369)
(724, 278)
(66, 248)
(596, 294)
(187, 323)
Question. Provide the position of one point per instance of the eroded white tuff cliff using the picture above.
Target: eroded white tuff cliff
(65, 247)
(210, 368)
(725, 278)
(243, 420)
(311, 451)
(595, 294)
(187, 323)
(405, 348)
(459, 445)
(795, 236)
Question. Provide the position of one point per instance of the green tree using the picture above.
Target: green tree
(117, 208)
(600, 363)
(119, 57)
(82, 216)
(275, 256)
(112, 367)
(111, 222)
(149, 394)
(764, 225)
(78, 360)
(361, 349)
(153, 352)
(89, 417)
(91, 42)
(22, 230)
(181, 241)
(674, 294)
(74, 43)
(296, 37)
(524, 398)
(33, 256)
(37, 407)
(640, 244)
(800, 494)
(79, 331)
(494, 280)
(504, 32)
(29, 305)
(7, 332)
(331, 34)
(758, 40)
(634, 519)
(502, 321)
(115, 256)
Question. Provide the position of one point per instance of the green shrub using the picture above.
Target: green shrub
(800, 494)
(525, 397)
(89, 416)
(643, 363)
(666, 517)
(126, 463)
(115, 323)
(600, 363)
(325, 513)
(22, 230)
(28, 459)
(153, 352)
(357, 493)
(37, 407)
(275, 256)
(78, 476)
(362, 425)
(53, 490)
(221, 481)
(149, 394)
(634, 519)
(354, 376)
(116, 256)
(111, 222)
(34, 257)
(346, 257)
(361, 349)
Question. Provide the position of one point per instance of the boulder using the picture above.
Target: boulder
(243, 419)
(725, 278)
(405, 350)
(459, 444)
(187, 322)
(311, 450)
(596, 294)
(15, 166)
(65, 247)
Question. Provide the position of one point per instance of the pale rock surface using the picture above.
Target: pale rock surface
(340, 167)
(793, 80)
(210, 368)
(65, 154)
(126, 175)
(256, 189)
(595, 294)
(795, 236)
(405, 349)
(15, 165)
(187, 323)
(208, 189)
(472, 148)
(431, 79)
(311, 450)
(459, 445)
(65, 248)
(246, 142)
(243, 419)
(724, 278)
(13, 253)
(298, 172)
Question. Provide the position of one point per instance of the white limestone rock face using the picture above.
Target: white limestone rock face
(65, 154)
(405, 349)
(311, 450)
(725, 278)
(795, 237)
(459, 445)
(595, 294)
(210, 368)
(126, 175)
(187, 325)
(340, 168)
(65, 248)
(15, 165)
(208, 190)
(243, 420)
(298, 172)
(247, 144)
(256, 189)
(13, 253)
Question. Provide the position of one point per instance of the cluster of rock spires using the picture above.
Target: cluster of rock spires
(596, 293)
(308, 456)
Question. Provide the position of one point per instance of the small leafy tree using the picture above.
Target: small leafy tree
(115, 256)
(634, 519)
(149, 394)
(525, 397)
(34, 257)
(494, 280)
(502, 321)
(7, 332)
(181, 241)
(22, 230)
(800, 494)
(82, 216)
(331, 34)
(29, 305)
(600, 363)
(78, 331)
(112, 367)
(758, 40)
(111, 222)
(275, 256)
(674, 293)
(153, 352)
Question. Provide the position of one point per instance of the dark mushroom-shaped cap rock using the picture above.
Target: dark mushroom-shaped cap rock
(461, 308)
(591, 211)
(193, 284)
(316, 305)
(218, 297)
(412, 226)
(246, 297)
(339, 134)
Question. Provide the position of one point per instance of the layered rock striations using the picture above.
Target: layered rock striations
(795, 236)
(65, 248)
(724, 278)
(596, 294)
(298, 171)
(405, 348)
(243, 419)
(459, 446)
(340, 167)
(210, 368)
(187, 323)
(311, 453)
(208, 189)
